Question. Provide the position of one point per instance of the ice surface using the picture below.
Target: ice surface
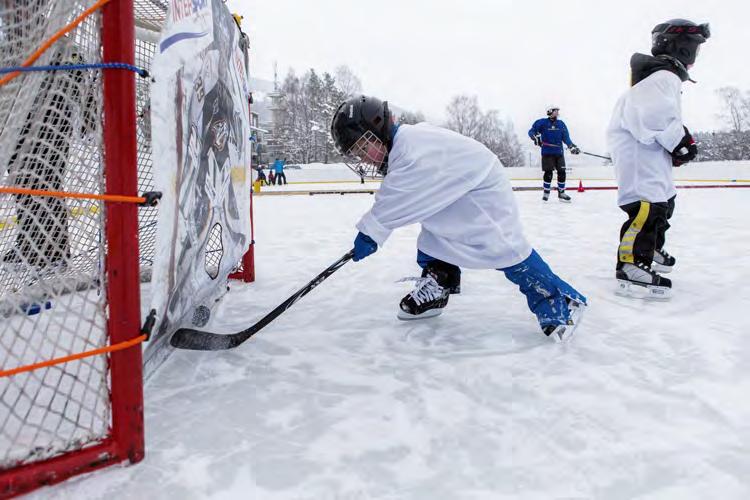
(337, 399)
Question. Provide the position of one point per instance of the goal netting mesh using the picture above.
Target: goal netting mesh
(53, 250)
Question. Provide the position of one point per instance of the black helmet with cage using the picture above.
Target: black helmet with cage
(359, 121)
(679, 38)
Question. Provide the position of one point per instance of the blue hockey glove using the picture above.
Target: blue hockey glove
(363, 246)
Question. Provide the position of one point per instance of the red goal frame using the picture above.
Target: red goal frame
(125, 440)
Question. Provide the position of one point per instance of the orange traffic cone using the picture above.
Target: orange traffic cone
(580, 186)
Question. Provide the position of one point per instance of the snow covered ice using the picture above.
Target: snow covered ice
(337, 399)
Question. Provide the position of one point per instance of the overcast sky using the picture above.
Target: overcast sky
(516, 56)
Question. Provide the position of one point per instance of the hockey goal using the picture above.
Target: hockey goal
(70, 267)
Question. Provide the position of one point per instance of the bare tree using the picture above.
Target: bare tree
(466, 117)
(734, 107)
(347, 81)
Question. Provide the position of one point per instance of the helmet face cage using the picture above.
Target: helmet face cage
(360, 129)
(360, 160)
(552, 109)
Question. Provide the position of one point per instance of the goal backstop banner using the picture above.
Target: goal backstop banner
(200, 136)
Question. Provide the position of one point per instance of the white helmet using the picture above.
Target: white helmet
(552, 108)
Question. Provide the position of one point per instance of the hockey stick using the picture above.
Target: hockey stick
(582, 152)
(598, 156)
(197, 340)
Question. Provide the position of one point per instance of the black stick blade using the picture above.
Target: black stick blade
(197, 340)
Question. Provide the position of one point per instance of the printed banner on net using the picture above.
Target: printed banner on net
(200, 129)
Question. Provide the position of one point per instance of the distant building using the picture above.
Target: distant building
(277, 108)
(258, 138)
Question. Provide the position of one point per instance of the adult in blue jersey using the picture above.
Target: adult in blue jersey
(278, 167)
(549, 134)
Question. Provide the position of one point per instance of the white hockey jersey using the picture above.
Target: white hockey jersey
(457, 189)
(646, 125)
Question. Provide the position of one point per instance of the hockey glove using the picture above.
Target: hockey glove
(574, 150)
(363, 246)
(537, 140)
(685, 151)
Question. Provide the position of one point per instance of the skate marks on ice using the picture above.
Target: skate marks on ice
(445, 338)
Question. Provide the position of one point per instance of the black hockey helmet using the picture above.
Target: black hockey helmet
(357, 117)
(680, 39)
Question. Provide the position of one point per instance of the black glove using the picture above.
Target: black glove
(685, 151)
(537, 140)
(574, 150)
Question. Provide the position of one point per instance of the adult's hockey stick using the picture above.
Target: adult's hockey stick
(582, 152)
(598, 156)
(197, 340)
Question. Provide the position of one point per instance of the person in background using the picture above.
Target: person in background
(278, 167)
(549, 134)
(262, 176)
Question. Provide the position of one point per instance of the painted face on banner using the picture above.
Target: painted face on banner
(220, 133)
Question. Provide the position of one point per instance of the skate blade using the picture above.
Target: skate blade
(565, 201)
(662, 269)
(647, 292)
(563, 333)
(405, 316)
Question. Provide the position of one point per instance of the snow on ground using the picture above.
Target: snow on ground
(337, 399)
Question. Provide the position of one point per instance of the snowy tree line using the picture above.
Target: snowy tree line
(311, 100)
(733, 144)
(721, 146)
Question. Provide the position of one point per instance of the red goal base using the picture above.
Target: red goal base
(27, 478)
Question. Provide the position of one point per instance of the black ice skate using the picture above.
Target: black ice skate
(426, 300)
(663, 262)
(431, 291)
(545, 196)
(639, 280)
(562, 333)
(563, 197)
